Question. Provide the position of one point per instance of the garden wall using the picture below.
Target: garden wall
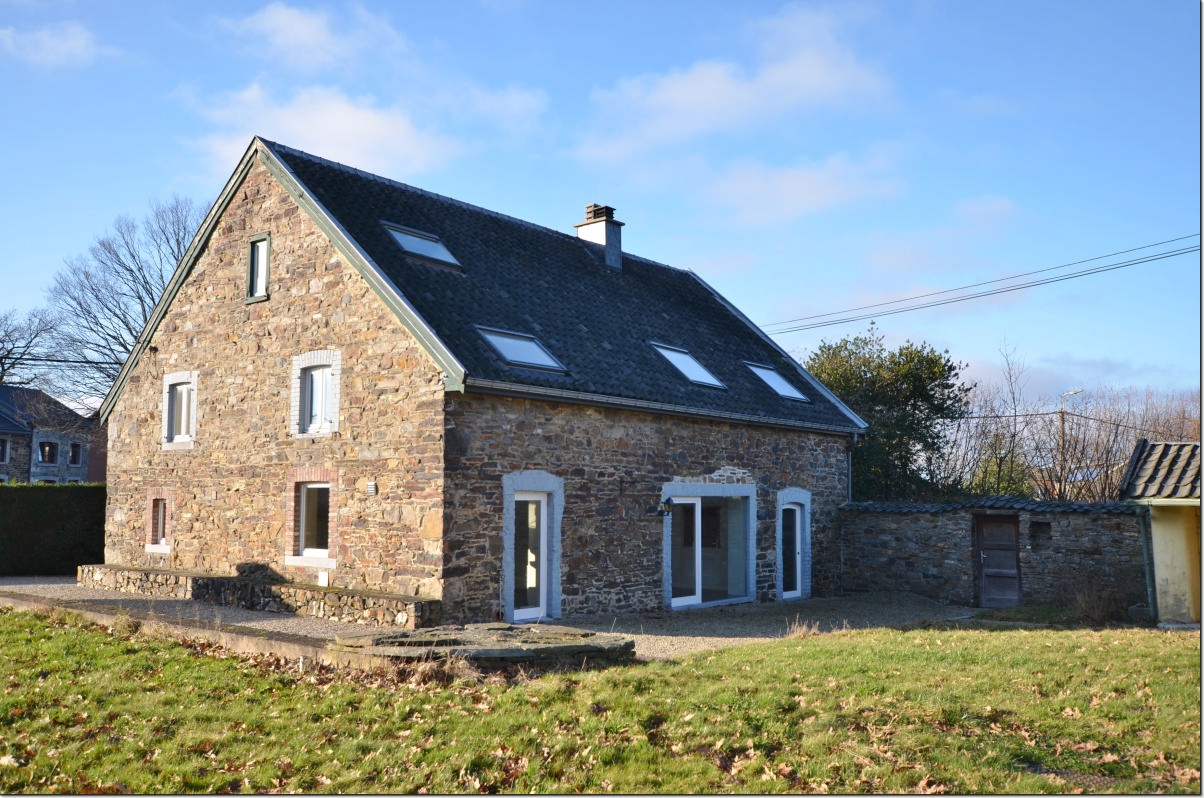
(929, 549)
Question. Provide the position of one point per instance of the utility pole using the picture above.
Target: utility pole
(1063, 477)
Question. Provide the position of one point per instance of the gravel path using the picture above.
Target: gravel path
(658, 635)
(665, 635)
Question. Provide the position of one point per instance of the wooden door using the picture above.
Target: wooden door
(997, 558)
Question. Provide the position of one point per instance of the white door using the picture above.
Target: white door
(686, 551)
(792, 550)
(530, 556)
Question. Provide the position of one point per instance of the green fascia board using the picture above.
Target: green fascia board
(454, 372)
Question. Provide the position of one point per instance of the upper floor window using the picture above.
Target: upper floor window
(315, 393)
(777, 382)
(689, 366)
(521, 350)
(179, 409)
(48, 453)
(257, 268)
(422, 244)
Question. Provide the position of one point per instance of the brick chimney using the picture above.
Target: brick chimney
(600, 227)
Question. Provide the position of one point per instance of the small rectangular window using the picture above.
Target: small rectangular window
(689, 366)
(422, 244)
(179, 412)
(314, 518)
(75, 454)
(257, 269)
(521, 350)
(48, 453)
(3, 450)
(777, 382)
(316, 399)
(158, 530)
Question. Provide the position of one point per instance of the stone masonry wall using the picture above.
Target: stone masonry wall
(932, 553)
(231, 495)
(614, 464)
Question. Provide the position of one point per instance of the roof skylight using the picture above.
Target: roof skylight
(690, 368)
(521, 350)
(422, 244)
(777, 382)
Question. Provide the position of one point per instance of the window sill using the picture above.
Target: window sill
(169, 446)
(303, 561)
(158, 548)
(251, 300)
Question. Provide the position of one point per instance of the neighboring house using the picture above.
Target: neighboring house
(1165, 478)
(41, 439)
(364, 385)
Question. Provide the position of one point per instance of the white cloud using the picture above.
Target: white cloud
(762, 194)
(60, 45)
(326, 122)
(307, 41)
(800, 64)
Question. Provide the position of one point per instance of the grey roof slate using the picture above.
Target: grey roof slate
(599, 322)
(1162, 471)
(22, 409)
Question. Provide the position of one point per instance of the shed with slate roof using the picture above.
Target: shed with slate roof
(360, 384)
(1165, 478)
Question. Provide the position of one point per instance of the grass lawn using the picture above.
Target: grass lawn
(85, 709)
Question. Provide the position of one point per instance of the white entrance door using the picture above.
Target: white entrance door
(686, 551)
(792, 550)
(530, 556)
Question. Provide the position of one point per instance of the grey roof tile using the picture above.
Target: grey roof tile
(598, 321)
(1162, 470)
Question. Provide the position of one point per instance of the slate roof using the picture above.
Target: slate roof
(599, 322)
(22, 409)
(992, 503)
(1162, 471)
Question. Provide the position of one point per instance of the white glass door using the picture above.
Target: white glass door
(530, 556)
(792, 551)
(686, 551)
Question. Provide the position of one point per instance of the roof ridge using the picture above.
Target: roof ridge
(450, 200)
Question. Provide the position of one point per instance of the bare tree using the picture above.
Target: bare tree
(23, 340)
(101, 301)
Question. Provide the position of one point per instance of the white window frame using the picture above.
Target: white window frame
(688, 366)
(302, 397)
(75, 454)
(6, 446)
(171, 409)
(689, 493)
(259, 261)
(158, 515)
(304, 501)
(529, 486)
(799, 500)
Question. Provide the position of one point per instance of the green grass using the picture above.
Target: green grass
(928, 710)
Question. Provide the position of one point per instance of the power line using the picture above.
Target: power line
(991, 292)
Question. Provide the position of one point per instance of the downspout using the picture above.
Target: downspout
(1147, 554)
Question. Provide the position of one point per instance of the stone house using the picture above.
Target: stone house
(43, 440)
(1163, 479)
(361, 385)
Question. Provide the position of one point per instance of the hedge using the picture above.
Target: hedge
(48, 530)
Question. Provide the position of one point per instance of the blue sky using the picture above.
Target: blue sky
(803, 158)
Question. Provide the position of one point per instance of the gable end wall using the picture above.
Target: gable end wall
(232, 491)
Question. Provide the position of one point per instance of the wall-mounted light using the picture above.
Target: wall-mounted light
(666, 506)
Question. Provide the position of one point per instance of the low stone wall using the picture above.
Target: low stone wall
(929, 549)
(351, 606)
